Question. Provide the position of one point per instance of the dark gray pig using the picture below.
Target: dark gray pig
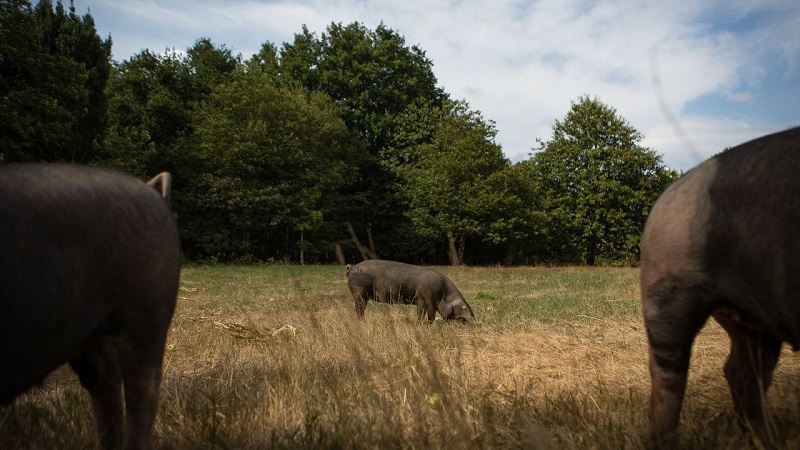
(89, 267)
(395, 282)
(724, 241)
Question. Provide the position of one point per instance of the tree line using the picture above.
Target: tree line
(338, 145)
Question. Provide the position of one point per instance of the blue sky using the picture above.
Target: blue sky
(693, 76)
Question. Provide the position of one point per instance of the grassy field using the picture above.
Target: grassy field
(274, 357)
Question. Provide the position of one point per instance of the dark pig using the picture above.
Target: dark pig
(395, 282)
(89, 267)
(724, 241)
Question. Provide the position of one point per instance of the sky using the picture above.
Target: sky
(694, 77)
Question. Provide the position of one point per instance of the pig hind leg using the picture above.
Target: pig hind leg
(749, 369)
(98, 370)
(360, 298)
(674, 313)
(140, 360)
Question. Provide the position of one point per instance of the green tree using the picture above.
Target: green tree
(455, 184)
(74, 37)
(210, 65)
(373, 78)
(265, 61)
(258, 167)
(299, 61)
(53, 70)
(151, 103)
(508, 206)
(150, 98)
(370, 74)
(270, 159)
(598, 184)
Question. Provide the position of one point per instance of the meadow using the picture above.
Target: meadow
(273, 356)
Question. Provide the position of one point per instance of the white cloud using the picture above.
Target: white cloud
(739, 96)
(522, 62)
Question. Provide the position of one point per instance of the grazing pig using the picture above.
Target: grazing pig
(395, 282)
(89, 267)
(724, 241)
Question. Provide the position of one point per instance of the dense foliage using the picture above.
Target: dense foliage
(53, 73)
(597, 184)
(337, 144)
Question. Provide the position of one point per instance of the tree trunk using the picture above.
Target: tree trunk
(359, 247)
(455, 259)
(365, 252)
(337, 250)
(591, 251)
(511, 254)
(302, 245)
(371, 242)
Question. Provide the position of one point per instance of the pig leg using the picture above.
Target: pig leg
(749, 371)
(140, 359)
(360, 297)
(420, 309)
(430, 310)
(360, 301)
(361, 306)
(425, 308)
(98, 371)
(673, 315)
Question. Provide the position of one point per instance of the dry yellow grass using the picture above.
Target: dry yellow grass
(273, 357)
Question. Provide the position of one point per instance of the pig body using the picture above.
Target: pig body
(395, 282)
(724, 242)
(89, 267)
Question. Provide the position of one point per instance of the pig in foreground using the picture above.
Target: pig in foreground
(89, 266)
(395, 282)
(724, 241)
